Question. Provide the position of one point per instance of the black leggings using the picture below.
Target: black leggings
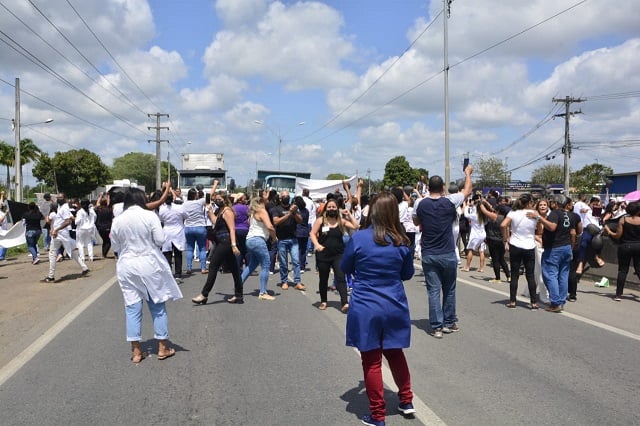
(324, 266)
(177, 259)
(223, 255)
(496, 251)
(106, 241)
(627, 252)
(517, 256)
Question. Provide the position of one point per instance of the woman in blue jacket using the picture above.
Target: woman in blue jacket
(378, 321)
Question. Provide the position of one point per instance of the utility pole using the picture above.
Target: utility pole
(447, 167)
(566, 149)
(17, 161)
(157, 141)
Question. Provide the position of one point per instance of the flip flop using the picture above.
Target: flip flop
(171, 353)
(600, 263)
(143, 355)
(322, 306)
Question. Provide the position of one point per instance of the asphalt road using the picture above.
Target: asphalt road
(65, 359)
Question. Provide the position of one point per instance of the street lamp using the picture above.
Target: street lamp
(278, 135)
(15, 123)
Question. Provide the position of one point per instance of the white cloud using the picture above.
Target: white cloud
(300, 46)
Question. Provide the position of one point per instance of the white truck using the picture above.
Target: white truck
(201, 169)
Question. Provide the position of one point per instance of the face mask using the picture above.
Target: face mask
(332, 213)
(60, 202)
(285, 201)
(219, 203)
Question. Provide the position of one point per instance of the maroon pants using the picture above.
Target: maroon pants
(372, 368)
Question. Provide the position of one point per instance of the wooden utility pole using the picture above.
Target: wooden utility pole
(566, 149)
(157, 141)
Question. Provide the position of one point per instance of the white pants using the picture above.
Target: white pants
(84, 238)
(70, 247)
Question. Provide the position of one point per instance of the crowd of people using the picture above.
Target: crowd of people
(369, 243)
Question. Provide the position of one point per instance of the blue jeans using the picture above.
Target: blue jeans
(585, 242)
(556, 263)
(32, 237)
(440, 272)
(196, 234)
(134, 321)
(258, 255)
(46, 238)
(289, 246)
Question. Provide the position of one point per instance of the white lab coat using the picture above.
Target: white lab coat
(173, 216)
(142, 270)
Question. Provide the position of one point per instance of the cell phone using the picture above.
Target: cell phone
(465, 163)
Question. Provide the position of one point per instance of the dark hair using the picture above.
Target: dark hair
(299, 201)
(398, 193)
(192, 194)
(436, 184)
(85, 205)
(135, 197)
(633, 208)
(385, 220)
(522, 201)
(116, 195)
(32, 206)
(364, 200)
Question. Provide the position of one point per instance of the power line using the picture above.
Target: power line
(97, 126)
(541, 123)
(338, 115)
(611, 96)
(73, 63)
(111, 56)
(451, 66)
(35, 60)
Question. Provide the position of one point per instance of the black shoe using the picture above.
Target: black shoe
(49, 280)
(572, 299)
(235, 299)
(85, 272)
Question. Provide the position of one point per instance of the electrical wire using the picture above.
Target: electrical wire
(34, 59)
(111, 56)
(69, 113)
(353, 102)
(541, 123)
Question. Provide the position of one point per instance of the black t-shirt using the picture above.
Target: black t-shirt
(561, 236)
(332, 241)
(287, 229)
(32, 220)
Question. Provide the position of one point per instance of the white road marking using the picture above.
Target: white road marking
(32, 350)
(576, 317)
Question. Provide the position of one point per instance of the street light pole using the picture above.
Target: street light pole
(278, 135)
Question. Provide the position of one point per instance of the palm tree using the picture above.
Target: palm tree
(7, 158)
(28, 151)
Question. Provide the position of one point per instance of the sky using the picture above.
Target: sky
(366, 77)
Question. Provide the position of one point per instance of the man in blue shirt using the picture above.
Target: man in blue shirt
(436, 215)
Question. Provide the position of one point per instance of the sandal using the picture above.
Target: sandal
(322, 306)
(511, 305)
(600, 262)
(169, 354)
(137, 360)
(534, 307)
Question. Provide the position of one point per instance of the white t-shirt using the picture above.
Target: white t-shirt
(523, 229)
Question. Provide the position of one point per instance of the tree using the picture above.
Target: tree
(7, 158)
(590, 178)
(141, 168)
(337, 176)
(547, 175)
(491, 172)
(398, 172)
(76, 172)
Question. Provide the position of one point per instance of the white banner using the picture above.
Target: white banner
(13, 237)
(319, 188)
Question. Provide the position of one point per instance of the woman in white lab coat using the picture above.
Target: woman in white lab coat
(172, 217)
(143, 272)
